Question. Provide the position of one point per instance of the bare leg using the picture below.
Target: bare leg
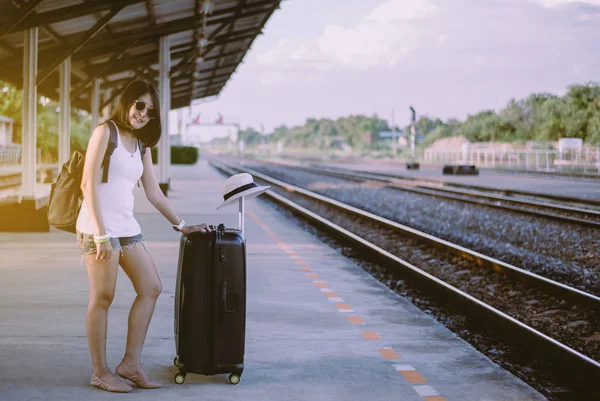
(103, 278)
(140, 268)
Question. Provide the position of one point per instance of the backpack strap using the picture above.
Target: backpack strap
(112, 144)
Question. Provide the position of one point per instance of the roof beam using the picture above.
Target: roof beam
(266, 17)
(117, 82)
(106, 44)
(98, 26)
(150, 10)
(222, 75)
(14, 21)
(70, 12)
(77, 91)
(229, 35)
(210, 47)
(55, 36)
(151, 58)
(201, 51)
(203, 88)
(129, 63)
(195, 43)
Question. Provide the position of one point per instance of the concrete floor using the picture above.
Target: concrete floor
(302, 342)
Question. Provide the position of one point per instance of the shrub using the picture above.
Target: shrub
(179, 155)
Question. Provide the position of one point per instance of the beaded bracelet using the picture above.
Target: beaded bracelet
(101, 239)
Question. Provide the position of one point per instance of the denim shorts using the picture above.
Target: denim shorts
(88, 246)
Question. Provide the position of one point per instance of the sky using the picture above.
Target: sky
(446, 58)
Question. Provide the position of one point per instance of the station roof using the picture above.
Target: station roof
(4, 119)
(117, 41)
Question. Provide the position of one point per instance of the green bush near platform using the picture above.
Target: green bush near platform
(179, 155)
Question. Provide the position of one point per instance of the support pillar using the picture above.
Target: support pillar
(29, 162)
(107, 110)
(28, 212)
(95, 103)
(64, 117)
(164, 89)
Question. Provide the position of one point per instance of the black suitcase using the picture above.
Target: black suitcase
(210, 304)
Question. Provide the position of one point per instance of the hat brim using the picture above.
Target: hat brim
(249, 193)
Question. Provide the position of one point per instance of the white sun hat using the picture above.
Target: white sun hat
(240, 185)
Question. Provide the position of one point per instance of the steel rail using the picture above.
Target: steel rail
(510, 194)
(582, 364)
(462, 195)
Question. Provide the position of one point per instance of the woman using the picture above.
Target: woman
(109, 235)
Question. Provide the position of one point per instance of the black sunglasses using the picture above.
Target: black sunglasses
(140, 105)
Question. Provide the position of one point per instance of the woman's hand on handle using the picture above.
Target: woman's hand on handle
(203, 227)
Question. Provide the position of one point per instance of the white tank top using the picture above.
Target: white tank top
(116, 195)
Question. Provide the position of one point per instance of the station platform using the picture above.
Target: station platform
(318, 326)
(587, 189)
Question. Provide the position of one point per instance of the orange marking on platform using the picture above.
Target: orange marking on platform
(435, 399)
(305, 268)
(389, 353)
(370, 335)
(356, 320)
(343, 306)
(321, 284)
(412, 376)
(331, 295)
(312, 275)
(300, 261)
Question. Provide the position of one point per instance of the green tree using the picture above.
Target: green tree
(250, 136)
(11, 106)
(552, 125)
(47, 123)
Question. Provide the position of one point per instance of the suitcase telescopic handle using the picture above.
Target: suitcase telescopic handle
(223, 302)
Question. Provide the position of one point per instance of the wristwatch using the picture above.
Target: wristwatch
(179, 227)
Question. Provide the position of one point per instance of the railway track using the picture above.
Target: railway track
(585, 217)
(587, 204)
(540, 290)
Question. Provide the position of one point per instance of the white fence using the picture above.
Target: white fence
(586, 162)
(10, 154)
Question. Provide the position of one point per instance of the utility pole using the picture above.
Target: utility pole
(413, 131)
(393, 136)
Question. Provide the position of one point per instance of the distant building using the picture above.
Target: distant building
(573, 144)
(176, 140)
(385, 137)
(6, 131)
(10, 152)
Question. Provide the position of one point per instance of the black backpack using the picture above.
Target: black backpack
(65, 194)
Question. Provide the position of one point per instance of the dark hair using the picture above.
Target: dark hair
(150, 133)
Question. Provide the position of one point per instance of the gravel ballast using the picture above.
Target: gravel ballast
(563, 252)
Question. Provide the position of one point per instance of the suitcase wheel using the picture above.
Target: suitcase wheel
(179, 378)
(176, 361)
(234, 379)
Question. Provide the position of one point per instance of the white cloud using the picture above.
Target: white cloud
(554, 3)
(396, 10)
(386, 35)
